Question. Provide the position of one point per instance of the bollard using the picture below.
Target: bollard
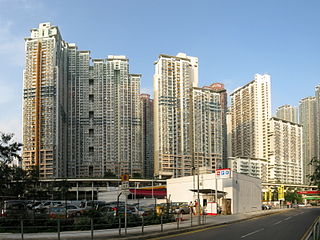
(58, 228)
(142, 225)
(91, 221)
(161, 223)
(119, 226)
(191, 217)
(21, 225)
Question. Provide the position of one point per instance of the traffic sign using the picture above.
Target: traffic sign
(125, 178)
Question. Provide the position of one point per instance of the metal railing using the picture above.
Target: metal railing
(313, 232)
(109, 226)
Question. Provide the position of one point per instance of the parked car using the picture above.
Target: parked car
(182, 208)
(73, 210)
(47, 204)
(57, 213)
(14, 209)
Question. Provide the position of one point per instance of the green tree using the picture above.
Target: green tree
(9, 150)
(315, 177)
(293, 197)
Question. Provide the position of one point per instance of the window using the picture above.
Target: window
(91, 114)
(91, 98)
(91, 149)
(91, 81)
(91, 132)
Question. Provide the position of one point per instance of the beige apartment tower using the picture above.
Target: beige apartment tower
(250, 114)
(308, 117)
(288, 113)
(45, 101)
(285, 152)
(174, 78)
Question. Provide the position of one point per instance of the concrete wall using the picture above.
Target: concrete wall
(244, 191)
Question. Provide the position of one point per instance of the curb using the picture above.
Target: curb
(189, 229)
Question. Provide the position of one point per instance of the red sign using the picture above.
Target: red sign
(309, 192)
(223, 173)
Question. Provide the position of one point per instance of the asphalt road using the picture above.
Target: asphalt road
(289, 225)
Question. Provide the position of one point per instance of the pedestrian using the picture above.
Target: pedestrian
(195, 207)
(191, 207)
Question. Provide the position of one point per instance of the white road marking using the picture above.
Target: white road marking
(287, 218)
(259, 230)
(277, 222)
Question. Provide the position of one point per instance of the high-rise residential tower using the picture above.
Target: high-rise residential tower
(308, 119)
(250, 113)
(285, 152)
(317, 93)
(189, 122)
(147, 135)
(208, 128)
(79, 119)
(45, 102)
(251, 110)
(106, 127)
(288, 113)
(174, 78)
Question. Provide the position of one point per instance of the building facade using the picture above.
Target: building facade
(208, 129)
(317, 93)
(288, 113)
(45, 102)
(147, 135)
(308, 119)
(80, 117)
(250, 113)
(285, 163)
(174, 78)
(251, 167)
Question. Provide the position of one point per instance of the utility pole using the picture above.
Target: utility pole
(191, 137)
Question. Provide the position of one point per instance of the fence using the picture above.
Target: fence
(313, 232)
(108, 226)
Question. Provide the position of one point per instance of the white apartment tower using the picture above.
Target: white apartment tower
(318, 116)
(288, 113)
(285, 154)
(174, 78)
(251, 110)
(45, 102)
(308, 117)
(250, 113)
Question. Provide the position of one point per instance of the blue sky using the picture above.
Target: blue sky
(233, 39)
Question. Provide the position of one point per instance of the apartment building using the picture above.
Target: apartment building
(147, 135)
(174, 78)
(81, 117)
(208, 128)
(250, 113)
(252, 167)
(45, 102)
(308, 117)
(285, 163)
(288, 113)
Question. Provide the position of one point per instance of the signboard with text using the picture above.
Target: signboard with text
(223, 173)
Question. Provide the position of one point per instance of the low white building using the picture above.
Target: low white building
(241, 192)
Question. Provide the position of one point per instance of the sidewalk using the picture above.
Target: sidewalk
(149, 231)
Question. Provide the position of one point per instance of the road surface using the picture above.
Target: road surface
(289, 225)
